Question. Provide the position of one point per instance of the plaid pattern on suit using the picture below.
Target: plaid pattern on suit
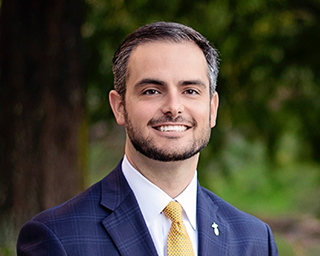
(106, 220)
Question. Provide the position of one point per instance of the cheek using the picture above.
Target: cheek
(139, 114)
(201, 113)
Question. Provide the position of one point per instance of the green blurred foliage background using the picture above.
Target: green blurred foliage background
(264, 152)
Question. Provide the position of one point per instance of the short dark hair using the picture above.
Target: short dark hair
(162, 31)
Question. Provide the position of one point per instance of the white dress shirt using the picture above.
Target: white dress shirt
(152, 200)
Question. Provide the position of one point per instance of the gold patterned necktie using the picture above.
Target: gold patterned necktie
(178, 242)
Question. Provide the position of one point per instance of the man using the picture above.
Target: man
(165, 78)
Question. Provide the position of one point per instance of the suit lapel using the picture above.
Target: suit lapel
(125, 224)
(210, 243)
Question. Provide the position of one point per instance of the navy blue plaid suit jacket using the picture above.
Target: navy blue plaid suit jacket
(106, 220)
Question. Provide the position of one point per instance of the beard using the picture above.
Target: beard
(147, 146)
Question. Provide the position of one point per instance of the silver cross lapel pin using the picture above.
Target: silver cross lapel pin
(215, 228)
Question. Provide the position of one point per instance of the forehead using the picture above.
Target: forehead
(158, 47)
(167, 58)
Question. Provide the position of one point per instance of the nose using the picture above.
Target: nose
(172, 105)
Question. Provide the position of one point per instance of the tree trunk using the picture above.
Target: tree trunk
(42, 105)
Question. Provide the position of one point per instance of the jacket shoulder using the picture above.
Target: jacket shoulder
(71, 228)
(247, 235)
(80, 205)
(227, 210)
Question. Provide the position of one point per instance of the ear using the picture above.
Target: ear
(214, 108)
(117, 107)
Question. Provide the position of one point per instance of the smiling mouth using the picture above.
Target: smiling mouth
(172, 128)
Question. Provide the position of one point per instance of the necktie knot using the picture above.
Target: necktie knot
(173, 211)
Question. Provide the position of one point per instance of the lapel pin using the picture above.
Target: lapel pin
(215, 228)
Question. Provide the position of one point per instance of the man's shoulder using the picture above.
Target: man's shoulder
(244, 232)
(73, 225)
(229, 212)
(79, 206)
(86, 204)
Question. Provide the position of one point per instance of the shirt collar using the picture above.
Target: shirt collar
(155, 200)
(188, 201)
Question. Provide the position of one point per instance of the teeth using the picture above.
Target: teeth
(173, 128)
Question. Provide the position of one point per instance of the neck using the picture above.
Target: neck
(172, 177)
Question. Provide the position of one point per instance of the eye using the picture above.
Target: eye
(191, 92)
(150, 92)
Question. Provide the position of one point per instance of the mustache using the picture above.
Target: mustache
(170, 119)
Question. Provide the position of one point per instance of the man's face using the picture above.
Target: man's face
(168, 113)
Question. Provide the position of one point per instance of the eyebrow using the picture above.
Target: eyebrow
(193, 82)
(150, 81)
(162, 83)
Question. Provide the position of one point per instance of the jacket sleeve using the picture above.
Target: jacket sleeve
(273, 250)
(35, 238)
